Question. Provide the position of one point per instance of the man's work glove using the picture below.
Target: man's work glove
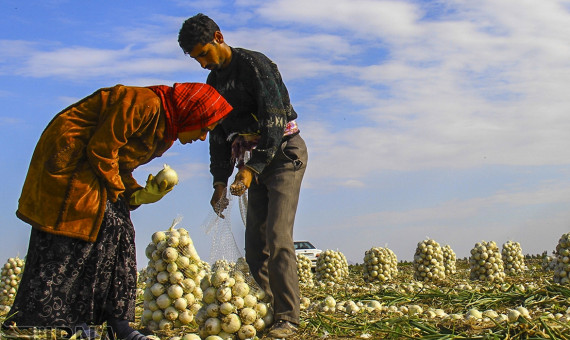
(242, 181)
(151, 193)
(219, 200)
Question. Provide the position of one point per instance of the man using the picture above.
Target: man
(262, 124)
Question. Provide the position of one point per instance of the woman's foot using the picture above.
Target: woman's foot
(121, 330)
(87, 332)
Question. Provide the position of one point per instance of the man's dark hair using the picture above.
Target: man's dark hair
(198, 29)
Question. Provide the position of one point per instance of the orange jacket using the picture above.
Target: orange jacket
(86, 156)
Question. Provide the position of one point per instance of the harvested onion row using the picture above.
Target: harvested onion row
(380, 264)
(486, 263)
(428, 261)
(513, 258)
(330, 305)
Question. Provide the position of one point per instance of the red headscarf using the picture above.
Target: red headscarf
(190, 106)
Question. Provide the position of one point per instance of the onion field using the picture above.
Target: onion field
(435, 296)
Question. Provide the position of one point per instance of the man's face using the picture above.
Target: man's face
(208, 55)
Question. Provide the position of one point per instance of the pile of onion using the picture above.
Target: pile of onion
(233, 307)
(449, 260)
(549, 262)
(562, 269)
(172, 291)
(513, 258)
(331, 267)
(380, 264)
(428, 261)
(9, 281)
(486, 263)
(304, 270)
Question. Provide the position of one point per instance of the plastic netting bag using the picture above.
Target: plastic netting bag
(223, 245)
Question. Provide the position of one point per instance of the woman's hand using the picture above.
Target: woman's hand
(151, 193)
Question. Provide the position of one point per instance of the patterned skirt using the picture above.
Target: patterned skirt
(68, 281)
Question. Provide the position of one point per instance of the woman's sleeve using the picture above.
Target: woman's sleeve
(119, 119)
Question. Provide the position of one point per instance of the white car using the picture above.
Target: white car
(308, 249)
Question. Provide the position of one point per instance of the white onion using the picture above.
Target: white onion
(259, 325)
(224, 294)
(170, 254)
(185, 317)
(163, 277)
(191, 336)
(227, 308)
(231, 323)
(213, 310)
(249, 301)
(176, 278)
(209, 295)
(181, 303)
(157, 289)
(248, 315)
(213, 326)
(163, 301)
(175, 291)
(170, 313)
(246, 332)
(214, 337)
(240, 289)
(157, 315)
(158, 237)
(167, 174)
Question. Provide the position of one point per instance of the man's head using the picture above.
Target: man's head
(201, 38)
(198, 29)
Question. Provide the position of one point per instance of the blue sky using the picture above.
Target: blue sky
(439, 119)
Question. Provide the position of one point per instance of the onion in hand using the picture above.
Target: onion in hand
(167, 174)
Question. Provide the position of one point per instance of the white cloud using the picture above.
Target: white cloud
(484, 84)
(352, 183)
(365, 17)
(9, 121)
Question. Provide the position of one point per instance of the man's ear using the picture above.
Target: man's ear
(218, 37)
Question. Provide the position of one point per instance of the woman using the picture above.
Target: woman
(81, 261)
